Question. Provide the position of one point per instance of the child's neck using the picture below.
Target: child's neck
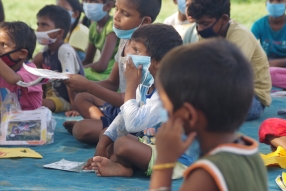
(101, 23)
(209, 141)
(55, 46)
(182, 17)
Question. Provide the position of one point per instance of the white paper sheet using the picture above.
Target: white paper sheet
(45, 76)
(68, 166)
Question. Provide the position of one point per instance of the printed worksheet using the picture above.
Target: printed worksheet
(68, 166)
(45, 76)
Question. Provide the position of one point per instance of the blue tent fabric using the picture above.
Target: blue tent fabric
(29, 174)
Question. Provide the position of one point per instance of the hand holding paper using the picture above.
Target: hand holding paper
(45, 76)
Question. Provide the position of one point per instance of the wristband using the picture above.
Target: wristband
(163, 166)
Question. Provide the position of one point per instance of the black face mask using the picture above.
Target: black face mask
(8, 60)
(209, 32)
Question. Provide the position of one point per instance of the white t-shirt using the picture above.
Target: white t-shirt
(121, 64)
(180, 26)
(135, 116)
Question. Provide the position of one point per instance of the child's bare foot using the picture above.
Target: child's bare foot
(69, 125)
(105, 167)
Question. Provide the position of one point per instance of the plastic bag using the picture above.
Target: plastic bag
(30, 127)
(10, 105)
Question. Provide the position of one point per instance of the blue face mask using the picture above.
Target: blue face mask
(145, 61)
(164, 115)
(72, 19)
(182, 6)
(94, 11)
(125, 34)
(275, 9)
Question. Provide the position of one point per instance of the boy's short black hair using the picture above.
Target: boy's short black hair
(214, 77)
(2, 14)
(149, 8)
(58, 15)
(22, 35)
(211, 8)
(158, 39)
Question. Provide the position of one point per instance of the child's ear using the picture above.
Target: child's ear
(191, 114)
(76, 14)
(147, 20)
(23, 53)
(108, 6)
(156, 64)
(225, 19)
(61, 33)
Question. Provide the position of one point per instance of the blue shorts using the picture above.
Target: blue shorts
(110, 112)
(256, 109)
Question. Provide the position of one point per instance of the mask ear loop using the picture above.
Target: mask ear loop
(141, 22)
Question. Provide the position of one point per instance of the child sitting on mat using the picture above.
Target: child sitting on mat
(141, 110)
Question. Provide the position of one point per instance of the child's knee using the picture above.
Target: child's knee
(121, 146)
(81, 97)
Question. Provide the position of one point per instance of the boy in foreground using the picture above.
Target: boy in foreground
(209, 80)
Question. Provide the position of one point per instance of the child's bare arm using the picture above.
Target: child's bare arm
(72, 95)
(105, 90)
(90, 52)
(106, 54)
(8, 74)
(38, 60)
(101, 148)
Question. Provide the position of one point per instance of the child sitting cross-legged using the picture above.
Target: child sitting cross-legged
(117, 151)
(208, 96)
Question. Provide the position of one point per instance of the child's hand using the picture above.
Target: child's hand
(132, 74)
(169, 143)
(77, 83)
(88, 166)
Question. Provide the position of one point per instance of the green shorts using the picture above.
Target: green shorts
(178, 169)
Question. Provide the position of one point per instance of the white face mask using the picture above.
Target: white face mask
(43, 37)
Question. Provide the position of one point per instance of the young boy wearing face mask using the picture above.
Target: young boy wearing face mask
(53, 26)
(78, 33)
(117, 152)
(179, 19)
(102, 38)
(18, 43)
(212, 19)
(100, 102)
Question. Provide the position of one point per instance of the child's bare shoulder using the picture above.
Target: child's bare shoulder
(199, 179)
